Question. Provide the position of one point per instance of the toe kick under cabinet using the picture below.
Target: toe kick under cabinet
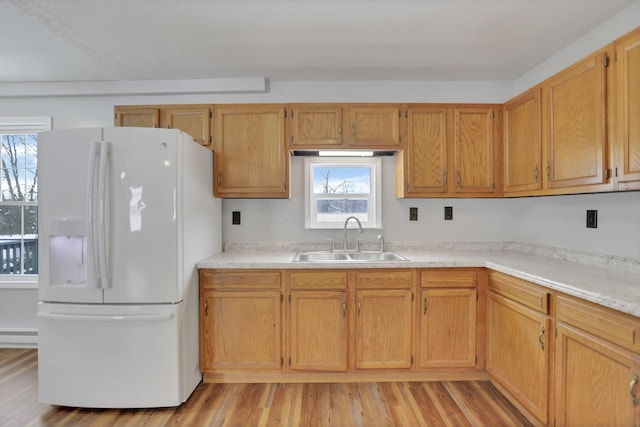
(339, 325)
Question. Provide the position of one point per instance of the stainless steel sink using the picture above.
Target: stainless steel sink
(326, 256)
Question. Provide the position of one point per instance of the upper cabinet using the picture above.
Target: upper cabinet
(194, 120)
(523, 142)
(355, 126)
(251, 157)
(627, 105)
(576, 110)
(450, 151)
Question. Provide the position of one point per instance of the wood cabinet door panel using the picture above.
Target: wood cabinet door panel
(383, 329)
(251, 159)
(473, 140)
(375, 126)
(137, 117)
(628, 91)
(448, 328)
(316, 126)
(577, 113)
(241, 330)
(318, 330)
(594, 382)
(518, 353)
(426, 151)
(523, 142)
(195, 122)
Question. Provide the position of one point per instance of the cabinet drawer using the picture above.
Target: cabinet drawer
(240, 279)
(385, 279)
(448, 279)
(615, 327)
(319, 280)
(520, 290)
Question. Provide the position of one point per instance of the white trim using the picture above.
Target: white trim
(134, 87)
(18, 337)
(9, 125)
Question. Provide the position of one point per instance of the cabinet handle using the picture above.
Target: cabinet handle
(444, 178)
(206, 308)
(353, 131)
(219, 179)
(549, 171)
(339, 131)
(424, 303)
(535, 173)
(632, 385)
(344, 308)
(540, 338)
(359, 304)
(458, 179)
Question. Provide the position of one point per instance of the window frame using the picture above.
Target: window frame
(374, 198)
(23, 125)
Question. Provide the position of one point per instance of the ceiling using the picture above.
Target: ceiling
(90, 40)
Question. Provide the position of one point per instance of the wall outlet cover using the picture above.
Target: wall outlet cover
(592, 219)
(448, 213)
(413, 214)
(235, 218)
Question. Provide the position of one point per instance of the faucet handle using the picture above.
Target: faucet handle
(333, 245)
(358, 245)
(381, 242)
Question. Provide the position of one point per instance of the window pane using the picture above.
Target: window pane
(30, 240)
(338, 210)
(341, 180)
(19, 177)
(10, 239)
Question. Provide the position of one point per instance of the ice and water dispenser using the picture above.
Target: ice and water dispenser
(68, 252)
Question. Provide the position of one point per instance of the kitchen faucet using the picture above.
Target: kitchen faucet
(345, 240)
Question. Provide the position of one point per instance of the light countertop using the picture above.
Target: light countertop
(600, 279)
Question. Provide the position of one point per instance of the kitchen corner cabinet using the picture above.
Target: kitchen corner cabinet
(448, 318)
(627, 104)
(384, 319)
(194, 120)
(451, 151)
(577, 114)
(318, 321)
(523, 142)
(518, 343)
(251, 159)
(597, 365)
(241, 321)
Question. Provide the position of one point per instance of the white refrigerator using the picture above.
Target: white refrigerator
(124, 216)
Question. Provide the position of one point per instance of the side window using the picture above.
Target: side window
(339, 187)
(19, 190)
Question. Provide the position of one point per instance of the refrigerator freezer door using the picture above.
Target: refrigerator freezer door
(110, 356)
(144, 213)
(66, 270)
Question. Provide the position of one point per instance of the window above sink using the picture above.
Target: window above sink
(339, 187)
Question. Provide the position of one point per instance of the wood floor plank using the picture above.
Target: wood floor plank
(453, 404)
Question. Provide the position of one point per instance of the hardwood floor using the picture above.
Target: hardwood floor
(462, 403)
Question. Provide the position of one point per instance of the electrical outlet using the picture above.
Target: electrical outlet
(448, 213)
(235, 218)
(592, 219)
(413, 214)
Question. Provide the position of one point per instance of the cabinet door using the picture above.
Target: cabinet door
(251, 159)
(318, 330)
(596, 383)
(194, 121)
(137, 117)
(374, 127)
(577, 114)
(241, 330)
(518, 353)
(628, 115)
(383, 329)
(425, 156)
(523, 142)
(316, 126)
(448, 328)
(473, 146)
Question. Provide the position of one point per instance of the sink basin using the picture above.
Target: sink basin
(326, 256)
(376, 256)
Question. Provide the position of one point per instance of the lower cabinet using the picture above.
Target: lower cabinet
(240, 321)
(448, 318)
(518, 344)
(597, 366)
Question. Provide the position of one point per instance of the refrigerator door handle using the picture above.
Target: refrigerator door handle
(103, 220)
(94, 151)
(90, 318)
